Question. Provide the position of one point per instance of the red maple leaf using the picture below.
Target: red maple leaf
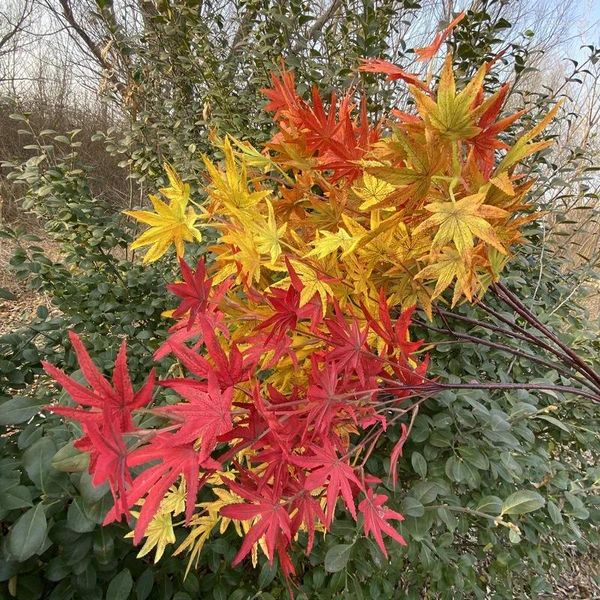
(350, 351)
(428, 52)
(108, 418)
(324, 404)
(322, 127)
(230, 369)
(282, 96)
(376, 517)
(395, 335)
(351, 143)
(117, 401)
(306, 511)
(205, 416)
(193, 291)
(332, 472)
(486, 142)
(287, 311)
(274, 522)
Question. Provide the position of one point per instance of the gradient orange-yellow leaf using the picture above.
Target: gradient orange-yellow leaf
(461, 221)
(393, 72)
(449, 265)
(523, 147)
(453, 114)
(428, 52)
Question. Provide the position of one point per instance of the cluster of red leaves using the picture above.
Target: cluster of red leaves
(291, 453)
(333, 138)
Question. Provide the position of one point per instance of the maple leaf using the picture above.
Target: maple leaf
(282, 96)
(201, 526)
(244, 253)
(159, 534)
(286, 312)
(486, 142)
(312, 284)
(205, 416)
(351, 144)
(172, 223)
(108, 463)
(375, 519)
(460, 221)
(413, 177)
(333, 473)
(393, 72)
(321, 127)
(109, 417)
(330, 242)
(268, 236)
(349, 341)
(372, 191)
(524, 146)
(450, 265)
(324, 402)
(116, 402)
(396, 336)
(273, 523)
(306, 511)
(335, 138)
(428, 52)
(193, 291)
(229, 369)
(453, 114)
(231, 187)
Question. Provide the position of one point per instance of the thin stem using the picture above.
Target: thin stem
(509, 298)
(515, 386)
(514, 351)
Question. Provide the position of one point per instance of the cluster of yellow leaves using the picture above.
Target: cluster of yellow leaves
(160, 533)
(173, 223)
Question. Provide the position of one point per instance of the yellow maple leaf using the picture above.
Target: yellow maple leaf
(267, 235)
(330, 242)
(453, 114)
(461, 221)
(448, 266)
(201, 526)
(173, 223)
(372, 191)
(244, 252)
(230, 187)
(312, 285)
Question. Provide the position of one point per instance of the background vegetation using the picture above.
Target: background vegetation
(94, 96)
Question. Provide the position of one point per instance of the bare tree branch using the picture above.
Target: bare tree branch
(16, 27)
(317, 28)
(93, 48)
